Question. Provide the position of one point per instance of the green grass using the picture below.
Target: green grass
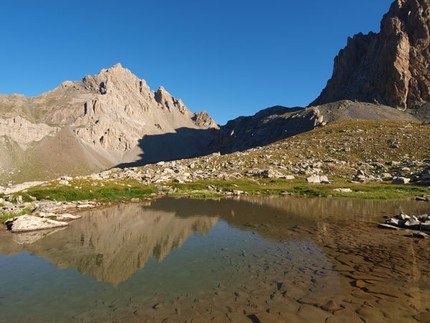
(84, 190)
(380, 191)
(7, 215)
(299, 187)
(126, 190)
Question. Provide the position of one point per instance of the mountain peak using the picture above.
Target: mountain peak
(117, 66)
(115, 78)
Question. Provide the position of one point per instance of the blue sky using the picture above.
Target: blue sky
(228, 57)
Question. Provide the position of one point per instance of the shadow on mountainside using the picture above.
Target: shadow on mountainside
(184, 143)
(264, 128)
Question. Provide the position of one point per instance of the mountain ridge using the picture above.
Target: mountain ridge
(113, 118)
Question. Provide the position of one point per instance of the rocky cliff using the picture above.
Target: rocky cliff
(390, 67)
(102, 121)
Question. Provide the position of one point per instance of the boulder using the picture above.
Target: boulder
(67, 217)
(387, 226)
(343, 190)
(425, 226)
(400, 180)
(318, 179)
(386, 176)
(392, 221)
(28, 223)
(412, 223)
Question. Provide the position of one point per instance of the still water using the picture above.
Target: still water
(255, 259)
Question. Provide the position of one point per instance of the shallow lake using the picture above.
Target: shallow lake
(254, 259)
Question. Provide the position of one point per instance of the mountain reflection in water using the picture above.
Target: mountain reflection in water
(253, 259)
(114, 242)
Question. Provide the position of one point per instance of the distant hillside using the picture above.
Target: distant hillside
(276, 123)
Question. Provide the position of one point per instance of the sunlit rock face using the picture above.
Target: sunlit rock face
(96, 123)
(390, 67)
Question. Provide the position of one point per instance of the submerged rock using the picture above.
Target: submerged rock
(420, 235)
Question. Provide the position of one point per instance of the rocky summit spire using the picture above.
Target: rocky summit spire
(391, 67)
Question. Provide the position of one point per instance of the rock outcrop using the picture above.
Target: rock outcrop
(390, 67)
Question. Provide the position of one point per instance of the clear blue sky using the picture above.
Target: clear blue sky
(228, 57)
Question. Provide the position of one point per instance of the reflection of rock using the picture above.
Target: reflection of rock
(33, 236)
(113, 243)
(273, 216)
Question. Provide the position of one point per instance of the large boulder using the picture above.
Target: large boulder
(318, 179)
(28, 223)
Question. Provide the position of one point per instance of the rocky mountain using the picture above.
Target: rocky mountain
(113, 119)
(390, 67)
(101, 121)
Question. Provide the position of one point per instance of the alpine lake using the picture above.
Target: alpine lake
(251, 259)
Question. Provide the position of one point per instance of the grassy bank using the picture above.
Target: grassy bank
(338, 150)
(79, 190)
(299, 187)
(127, 190)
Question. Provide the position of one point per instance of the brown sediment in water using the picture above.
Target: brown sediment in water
(341, 272)
(374, 276)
